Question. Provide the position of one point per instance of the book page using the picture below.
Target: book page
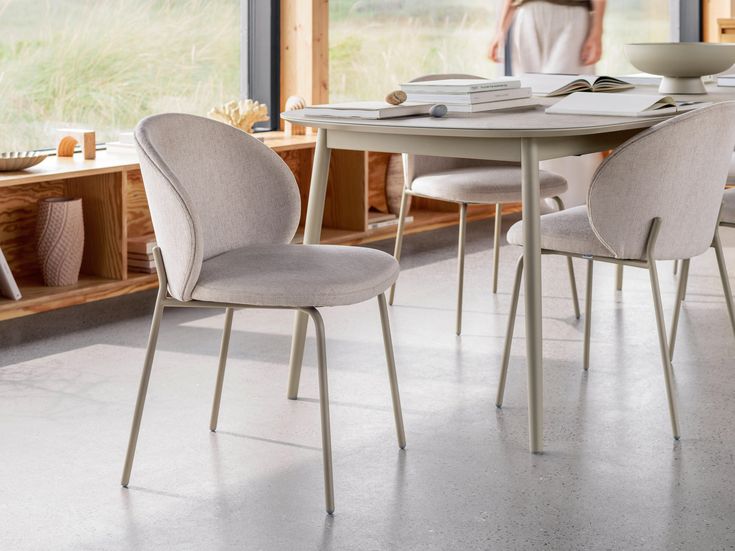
(544, 84)
(610, 104)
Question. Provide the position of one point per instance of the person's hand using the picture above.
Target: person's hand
(591, 49)
(493, 52)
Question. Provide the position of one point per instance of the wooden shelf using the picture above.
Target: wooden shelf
(39, 298)
(423, 220)
(115, 209)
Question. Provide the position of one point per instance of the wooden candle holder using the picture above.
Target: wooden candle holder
(68, 138)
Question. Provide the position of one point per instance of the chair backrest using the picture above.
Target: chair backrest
(211, 188)
(676, 171)
(419, 165)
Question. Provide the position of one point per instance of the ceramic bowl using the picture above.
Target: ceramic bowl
(681, 64)
(20, 160)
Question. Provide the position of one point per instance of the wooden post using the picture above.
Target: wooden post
(305, 50)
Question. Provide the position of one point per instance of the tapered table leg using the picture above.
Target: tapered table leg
(312, 233)
(532, 288)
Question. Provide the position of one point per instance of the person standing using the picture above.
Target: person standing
(551, 36)
(555, 36)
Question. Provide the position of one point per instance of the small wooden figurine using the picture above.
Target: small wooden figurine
(68, 138)
(294, 103)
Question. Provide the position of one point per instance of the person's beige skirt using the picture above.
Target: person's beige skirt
(548, 38)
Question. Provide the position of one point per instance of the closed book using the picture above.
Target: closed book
(120, 148)
(142, 245)
(622, 105)
(472, 97)
(142, 269)
(387, 223)
(642, 79)
(140, 256)
(367, 110)
(138, 262)
(459, 85)
(8, 286)
(525, 103)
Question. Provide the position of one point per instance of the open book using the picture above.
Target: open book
(622, 105)
(367, 110)
(560, 85)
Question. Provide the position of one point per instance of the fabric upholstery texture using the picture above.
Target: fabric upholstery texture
(296, 275)
(728, 207)
(568, 230)
(470, 180)
(225, 208)
(731, 173)
(211, 188)
(483, 184)
(675, 170)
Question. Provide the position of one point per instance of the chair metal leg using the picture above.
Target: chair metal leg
(321, 349)
(496, 244)
(570, 265)
(224, 347)
(392, 377)
(460, 263)
(588, 314)
(683, 278)
(143, 387)
(717, 244)
(573, 285)
(509, 332)
(399, 238)
(619, 277)
(663, 345)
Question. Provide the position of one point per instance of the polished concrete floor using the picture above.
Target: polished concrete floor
(611, 476)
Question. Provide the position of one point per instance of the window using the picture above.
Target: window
(377, 44)
(632, 21)
(105, 64)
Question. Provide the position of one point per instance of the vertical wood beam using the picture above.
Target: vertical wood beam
(305, 50)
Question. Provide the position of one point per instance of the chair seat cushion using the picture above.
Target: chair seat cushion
(296, 275)
(484, 184)
(728, 208)
(567, 231)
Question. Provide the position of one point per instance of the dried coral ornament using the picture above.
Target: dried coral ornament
(242, 114)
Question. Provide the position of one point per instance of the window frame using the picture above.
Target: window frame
(260, 56)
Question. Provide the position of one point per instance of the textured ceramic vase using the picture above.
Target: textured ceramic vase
(60, 233)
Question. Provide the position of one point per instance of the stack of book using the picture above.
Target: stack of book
(140, 254)
(471, 95)
(125, 144)
(377, 220)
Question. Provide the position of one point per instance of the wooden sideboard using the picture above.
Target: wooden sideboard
(115, 208)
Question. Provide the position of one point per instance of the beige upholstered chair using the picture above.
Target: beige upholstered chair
(466, 182)
(727, 220)
(657, 197)
(225, 209)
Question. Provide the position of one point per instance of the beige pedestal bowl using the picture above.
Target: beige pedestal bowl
(681, 64)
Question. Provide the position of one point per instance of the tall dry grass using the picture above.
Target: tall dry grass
(107, 63)
(377, 44)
